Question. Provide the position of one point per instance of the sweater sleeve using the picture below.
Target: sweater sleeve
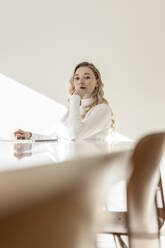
(50, 135)
(37, 136)
(96, 120)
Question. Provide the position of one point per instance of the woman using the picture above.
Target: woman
(89, 114)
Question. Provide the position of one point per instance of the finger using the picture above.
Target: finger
(76, 93)
(19, 132)
(15, 134)
(20, 136)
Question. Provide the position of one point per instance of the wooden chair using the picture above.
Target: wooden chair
(141, 223)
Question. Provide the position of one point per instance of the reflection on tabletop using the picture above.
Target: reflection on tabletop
(22, 150)
(20, 155)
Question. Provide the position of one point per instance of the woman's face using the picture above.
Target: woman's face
(85, 81)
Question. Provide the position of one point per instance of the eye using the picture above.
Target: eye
(87, 77)
(76, 78)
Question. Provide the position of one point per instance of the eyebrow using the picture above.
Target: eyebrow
(84, 74)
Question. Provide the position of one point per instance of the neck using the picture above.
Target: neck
(86, 96)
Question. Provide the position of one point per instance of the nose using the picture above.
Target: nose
(81, 80)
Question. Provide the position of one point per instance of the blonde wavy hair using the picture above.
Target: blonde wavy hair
(98, 93)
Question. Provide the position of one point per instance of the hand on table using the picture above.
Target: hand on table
(20, 134)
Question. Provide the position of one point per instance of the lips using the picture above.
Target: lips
(82, 87)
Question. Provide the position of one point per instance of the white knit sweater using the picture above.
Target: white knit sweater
(95, 125)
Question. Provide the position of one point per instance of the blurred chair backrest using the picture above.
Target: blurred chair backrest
(142, 213)
(141, 217)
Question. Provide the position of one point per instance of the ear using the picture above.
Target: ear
(98, 83)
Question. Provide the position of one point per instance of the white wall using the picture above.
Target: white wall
(42, 41)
